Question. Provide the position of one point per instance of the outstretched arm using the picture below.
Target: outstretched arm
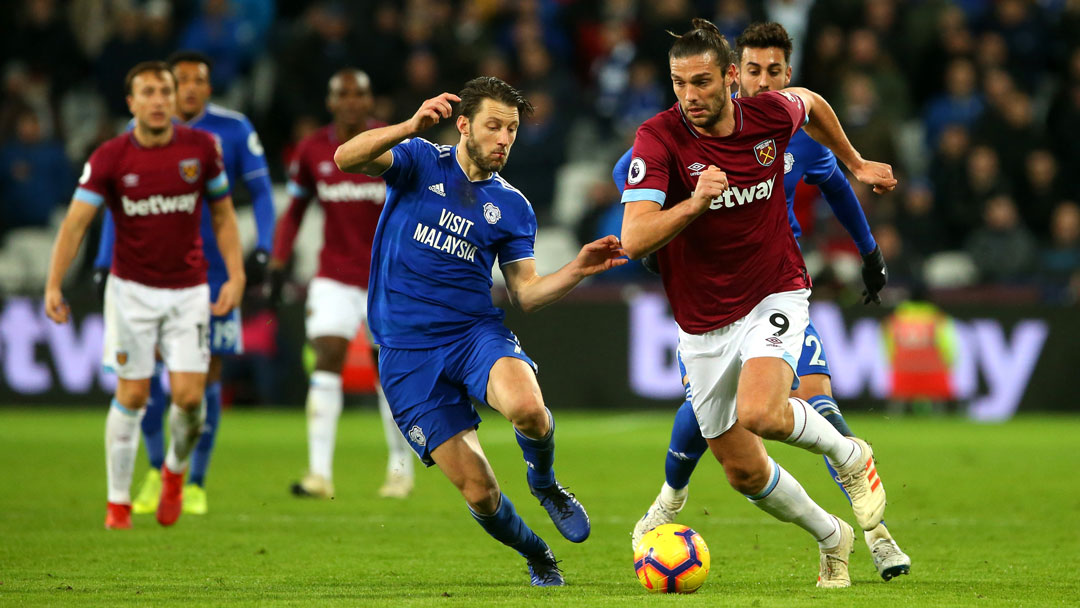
(530, 291)
(369, 152)
(824, 127)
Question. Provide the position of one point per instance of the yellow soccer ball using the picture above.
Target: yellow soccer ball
(671, 558)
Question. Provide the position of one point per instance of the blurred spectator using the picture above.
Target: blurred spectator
(960, 104)
(794, 15)
(1024, 33)
(1003, 249)
(1060, 262)
(538, 152)
(732, 17)
(644, 98)
(1042, 190)
(868, 127)
(611, 72)
(322, 44)
(985, 180)
(385, 50)
(918, 220)
(226, 37)
(865, 57)
(127, 46)
(538, 72)
(948, 173)
(43, 41)
(421, 81)
(35, 176)
(825, 64)
(1012, 132)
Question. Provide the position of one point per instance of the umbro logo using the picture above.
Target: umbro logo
(438, 189)
(131, 180)
(695, 169)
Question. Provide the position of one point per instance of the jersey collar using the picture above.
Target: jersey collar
(699, 135)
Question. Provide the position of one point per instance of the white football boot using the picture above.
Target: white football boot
(833, 570)
(889, 560)
(864, 487)
(660, 512)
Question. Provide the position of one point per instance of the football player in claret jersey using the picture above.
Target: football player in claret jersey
(337, 296)
(244, 161)
(763, 51)
(448, 217)
(705, 189)
(154, 179)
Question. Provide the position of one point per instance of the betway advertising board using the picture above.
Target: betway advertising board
(612, 353)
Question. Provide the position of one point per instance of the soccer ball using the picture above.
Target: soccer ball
(671, 558)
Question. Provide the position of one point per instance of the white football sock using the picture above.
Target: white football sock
(324, 403)
(184, 429)
(814, 433)
(672, 499)
(786, 500)
(121, 446)
(400, 458)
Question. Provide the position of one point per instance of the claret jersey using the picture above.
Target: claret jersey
(437, 241)
(742, 248)
(155, 195)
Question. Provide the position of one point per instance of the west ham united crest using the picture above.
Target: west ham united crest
(190, 168)
(121, 357)
(765, 152)
(492, 213)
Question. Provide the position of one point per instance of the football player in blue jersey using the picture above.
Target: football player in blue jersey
(244, 162)
(764, 52)
(448, 217)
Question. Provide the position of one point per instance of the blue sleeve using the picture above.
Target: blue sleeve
(105, 244)
(257, 178)
(262, 203)
(622, 169)
(407, 155)
(520, 245)
(845, 206)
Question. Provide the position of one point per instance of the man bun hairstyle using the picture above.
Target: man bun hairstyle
(143, 67)
(705, 37)
(489, 87)
(764, 36)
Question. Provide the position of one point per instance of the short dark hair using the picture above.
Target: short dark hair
(764, 36)
(705, 37)
(187, 56)
(143, 67)
(489, 87)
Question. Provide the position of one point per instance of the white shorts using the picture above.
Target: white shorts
(334, 309)
(140, 319)
(712, 361)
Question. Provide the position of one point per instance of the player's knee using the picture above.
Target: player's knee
(187, 398)
(531, 416)
(482, 495)
(762, 418)
(133, 395)
(745, 478)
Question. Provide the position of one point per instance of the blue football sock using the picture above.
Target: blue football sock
(152, 429)
(826, 406)
(685, 449)
(507, 527)
(539, 454)
(200, 457)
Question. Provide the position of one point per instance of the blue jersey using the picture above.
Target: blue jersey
(244, 160)
(436, 244)
(812, 162)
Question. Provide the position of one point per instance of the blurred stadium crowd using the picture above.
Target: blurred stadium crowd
(976, 103)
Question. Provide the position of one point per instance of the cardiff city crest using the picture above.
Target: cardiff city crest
(492, 213)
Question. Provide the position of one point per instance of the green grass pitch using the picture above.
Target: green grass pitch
(989, 514)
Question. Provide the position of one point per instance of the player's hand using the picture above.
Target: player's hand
(100, 276)
(600, 255)
(711, 183)
(432, 111)
(874, 275)
(55, 306)
(878, 175)
(229, 297)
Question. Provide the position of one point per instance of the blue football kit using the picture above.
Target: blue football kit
(429, 295)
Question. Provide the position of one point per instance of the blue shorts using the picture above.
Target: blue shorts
(428, 389)
(812, 360)
(226, 332)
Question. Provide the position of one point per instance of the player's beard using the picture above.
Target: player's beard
(712, 116)
(486, 164)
